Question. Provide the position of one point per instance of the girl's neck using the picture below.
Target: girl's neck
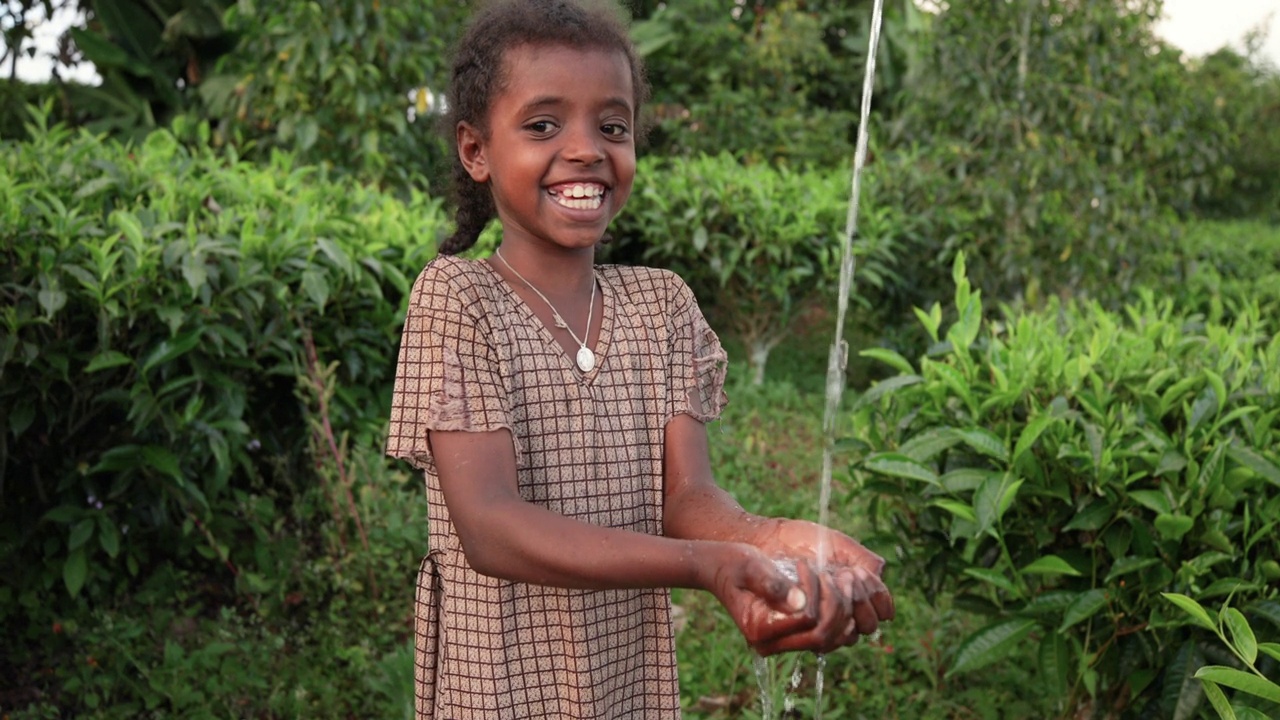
(553, 270)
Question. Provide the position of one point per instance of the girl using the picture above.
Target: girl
(557, 410)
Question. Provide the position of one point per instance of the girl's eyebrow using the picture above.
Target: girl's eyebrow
(546, 101)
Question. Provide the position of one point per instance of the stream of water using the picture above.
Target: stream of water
(837, 362)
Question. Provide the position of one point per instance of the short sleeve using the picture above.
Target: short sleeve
(698, 362)
(447, 375)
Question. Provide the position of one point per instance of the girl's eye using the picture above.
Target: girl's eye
(541, 127)
(614, 130)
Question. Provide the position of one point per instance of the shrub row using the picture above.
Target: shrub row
(1059, 470)
(159, 306)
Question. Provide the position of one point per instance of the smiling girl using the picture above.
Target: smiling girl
(556, 408)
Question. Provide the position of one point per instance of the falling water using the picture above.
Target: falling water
(838, 358)
(837, 361)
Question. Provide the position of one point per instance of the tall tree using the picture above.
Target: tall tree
(1069, 133)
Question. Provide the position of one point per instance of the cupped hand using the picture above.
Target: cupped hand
(854, 570)
(770, 609)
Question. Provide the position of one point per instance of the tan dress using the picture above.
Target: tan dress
(474, 357)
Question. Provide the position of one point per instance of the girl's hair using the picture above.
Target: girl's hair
(478, 76)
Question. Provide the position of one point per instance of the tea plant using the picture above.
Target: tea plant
(1056, 470)
(1244, 645)
(156, 301)
(757, 244)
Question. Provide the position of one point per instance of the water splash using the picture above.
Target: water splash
(764, 678)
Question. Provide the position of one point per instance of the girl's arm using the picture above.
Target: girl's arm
(507, 537)
(697, 508)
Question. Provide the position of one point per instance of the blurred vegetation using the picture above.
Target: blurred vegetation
(205, 262)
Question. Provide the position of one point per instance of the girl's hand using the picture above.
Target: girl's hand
(854, 570)
(774, 613)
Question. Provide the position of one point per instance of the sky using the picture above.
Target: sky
(1197, 26)
(1201, 26)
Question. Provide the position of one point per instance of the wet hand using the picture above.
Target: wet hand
(774, 612)
(852, 572)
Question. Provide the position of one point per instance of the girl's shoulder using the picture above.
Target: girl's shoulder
(454, 277)
(645, 282)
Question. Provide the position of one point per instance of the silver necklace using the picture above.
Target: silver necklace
(585, 358)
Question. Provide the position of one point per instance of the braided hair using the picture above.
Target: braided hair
(477, 77)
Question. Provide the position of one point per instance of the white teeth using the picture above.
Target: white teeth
(580, 196)
(589, 203)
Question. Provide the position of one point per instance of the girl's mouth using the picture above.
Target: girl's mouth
(578, 196)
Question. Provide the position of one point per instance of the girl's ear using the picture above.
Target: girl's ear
(471, 152)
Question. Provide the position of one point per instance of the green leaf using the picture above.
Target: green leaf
(886, 387)
(1050, 565)
(1133, 563)
(1240, 680)
(1219, 388)
(1241, 634)
(316, 285)
(194, 272)
(1251, 459)
(164, 460)
(1173, 527)
(1192, 608)
(51, 301)
(1097, 514)
(21, 417)
(952, 378)
(966, 479)
(74, 571)
(1268, 610)
(1030, 434)
(1218, 700)
(108, 359)
(307, 133)
(700, 239)
(80, 534)
(128, 224)
(171, 349)
(926, 445)
(1084, 607)
(1153, 500)
(1182, 693)
(1051, 602)
(1055, 664)
(884, 355)
(1270, 649)
(990, 644)
(957, 508)
(985, 442)
(100, 51)
(993, 499)
(1244, 712)
(898, 465)
(108, 535)
(994, 577)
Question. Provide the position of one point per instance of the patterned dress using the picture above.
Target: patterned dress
(474, 357)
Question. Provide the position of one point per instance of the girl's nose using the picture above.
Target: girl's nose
(582, 145)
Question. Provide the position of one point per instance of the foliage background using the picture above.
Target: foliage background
(205, 259)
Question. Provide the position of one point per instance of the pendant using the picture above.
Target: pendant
(586, 359)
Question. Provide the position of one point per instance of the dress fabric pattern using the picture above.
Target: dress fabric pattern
(474, 357)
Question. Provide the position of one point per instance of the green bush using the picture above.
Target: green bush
(160, 304)
(1221, 268)
(1058, 470)
(759, 245)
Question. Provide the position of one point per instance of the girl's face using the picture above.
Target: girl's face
(560, 153)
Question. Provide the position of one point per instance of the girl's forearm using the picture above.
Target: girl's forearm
(704, 511)
(524, 542)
